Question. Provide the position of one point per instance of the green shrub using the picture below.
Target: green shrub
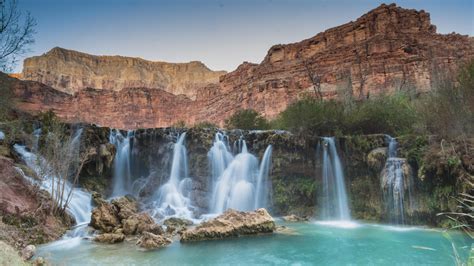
(384, 114)
(246, 119)
(205, 124)
(448, 111)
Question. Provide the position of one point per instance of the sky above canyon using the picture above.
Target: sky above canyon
(220, 33)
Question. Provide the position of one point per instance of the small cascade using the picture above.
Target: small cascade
(79, 205)
(172, 198)
(263, 187)
(122, 177)
(238, 182)
(335, 205)
(396, 179)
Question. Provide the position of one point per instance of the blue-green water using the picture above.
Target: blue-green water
(301, 244)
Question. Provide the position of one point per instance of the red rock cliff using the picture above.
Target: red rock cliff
(385, 50)
(72, 71)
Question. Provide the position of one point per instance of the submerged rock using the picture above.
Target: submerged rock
(232, 223)
(110, 238)
(150, 241)
(294, 218)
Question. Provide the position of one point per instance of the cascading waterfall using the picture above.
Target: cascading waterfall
(172, 198)
(238, 182)
(79, 205)
(335, 204)
(122, 177)
(263, 186)
(395, 180)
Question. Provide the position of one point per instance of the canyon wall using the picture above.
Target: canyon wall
(70, 71)
(388, 49)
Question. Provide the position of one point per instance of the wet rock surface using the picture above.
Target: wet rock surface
(105, 218)
(231, 223)
(110, 238)
(294, 218)
(151, 241)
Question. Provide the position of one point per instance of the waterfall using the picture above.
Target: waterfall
(396, 179)
(335, 206)
(172, 198)
(263, 185)
(238, 182)
(122, 177)
(79, 205)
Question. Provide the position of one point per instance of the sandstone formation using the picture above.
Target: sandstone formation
(232, 223)
(70, 71)
(386, 50)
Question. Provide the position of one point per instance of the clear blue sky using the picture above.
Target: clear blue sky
(220, 33)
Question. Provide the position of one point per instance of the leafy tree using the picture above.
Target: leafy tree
(246, 119)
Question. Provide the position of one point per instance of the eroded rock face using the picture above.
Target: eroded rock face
(139, 223)
(126, 206)
(232, 223)
(151, 241)
(70, 71)
(386, 50)
(121, 218)
(105, 218)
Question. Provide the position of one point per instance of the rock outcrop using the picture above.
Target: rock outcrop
(70, 71)
(151, 241)
(386, 50)
(232, 223)
(120, 219)
(110, 238)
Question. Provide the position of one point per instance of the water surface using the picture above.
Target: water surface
(303, 244)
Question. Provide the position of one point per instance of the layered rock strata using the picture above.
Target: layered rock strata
(70, 71)
(389, 49)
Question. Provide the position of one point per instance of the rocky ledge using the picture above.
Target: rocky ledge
(120, 219)
(232, 223)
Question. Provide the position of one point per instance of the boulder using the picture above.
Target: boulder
(105, 218)
(150, 241)
(139, 223)
(294, 218)
(232, 223)
(110, 238)
(28, 252)
(126, 206)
